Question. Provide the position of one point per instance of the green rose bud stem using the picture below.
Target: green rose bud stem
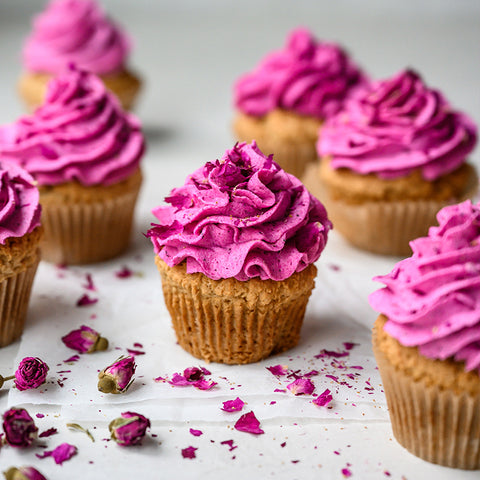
(5, 379)
(106, 385)
(101, 344)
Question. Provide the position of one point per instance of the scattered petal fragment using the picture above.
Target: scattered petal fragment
(233, 405)
(249, 423)
(61, 454)
(189, 452)
(323, 399)
(301, 386)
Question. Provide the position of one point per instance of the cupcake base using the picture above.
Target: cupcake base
(124, 84)
(19, 258)
(434, 405)
(289, 137)
(233, 322)
(386, 224)
(87, 224)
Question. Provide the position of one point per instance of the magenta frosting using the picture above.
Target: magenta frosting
(307, 77)
(432, 299)
(80, 133)
(396, 126)
(241, 217)
(75, 31)
(19, 202)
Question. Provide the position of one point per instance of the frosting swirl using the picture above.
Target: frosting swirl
(75, 31)
(307, 77)
(396, 126)
(241, 217)
(19, 202)
(80, 133)
(432, 299)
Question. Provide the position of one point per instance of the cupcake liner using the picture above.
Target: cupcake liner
(439, 426)
(14, 297)
(235, 322)
(79, 233)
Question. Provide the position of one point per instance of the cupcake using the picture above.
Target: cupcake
(390, 161)
(79, 32)
(427, 341)
(84, 152)
(236, 248)
(20, 234)
(285, 99)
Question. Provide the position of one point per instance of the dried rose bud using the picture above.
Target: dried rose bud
(129, 429)
(23, 473)
(19, 427)
(117, 377)
(31, 373)
(85, 340)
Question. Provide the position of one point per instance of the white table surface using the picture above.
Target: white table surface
(189, 56)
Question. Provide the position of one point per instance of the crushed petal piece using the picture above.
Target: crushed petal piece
(89, 285)
(48, 433)
(248, 423)
(230, 444)
(278, 370)
(61, 454)
(323, 399)
(196, 433)
(124, 272)
(330, 353)
(346, 472)
(233, 405)
(301, 386)
(189, 452)
(85, 300)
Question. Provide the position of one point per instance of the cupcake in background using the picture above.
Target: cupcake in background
(84, 151)
(20, 234)
(79, 32)
(427, 341)
(283, 102)
(236, 248)
(390, 161)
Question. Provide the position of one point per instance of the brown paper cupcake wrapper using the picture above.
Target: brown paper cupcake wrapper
(234, 322)
(14, 297)
(436, 425)
(79, 233)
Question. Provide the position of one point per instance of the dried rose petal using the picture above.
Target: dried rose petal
(129, 429)
(196, 433)
(189, 452)
(323, 399)
(117, 377)
(301, 386)
(233, 405)
(330, 353)
(124, 272)
(89, 285)
(23, 473)
(31, 373)
(192, 376)
(230, 444)
(85, 300)
(346, 472)
(248, 423)
(85, 340)
(278, 370)
(61, 454)
(19, 427)
(48, 433)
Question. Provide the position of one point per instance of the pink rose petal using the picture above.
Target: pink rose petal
(301, 386)
(124, 272)
(48, 433)
(196, 433)
(330, 353)
(89, 285)
(233, 405)
(85, 300)
(61, 454)
(189, 452)
(278, 370)
(248, 423)
(323, 399)
(230, 444)
(346, 472)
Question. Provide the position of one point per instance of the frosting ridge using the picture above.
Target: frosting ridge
(79, 134)
(396, 126)
(307, 77)
(241, 217)
(75, 31)
(19, 202)
(432, 299)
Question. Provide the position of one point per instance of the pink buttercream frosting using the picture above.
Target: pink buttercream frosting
(397, 126)
(79, 134)
(75, 31)
(432, 299)
(307, 77)
(241, 217)
(19, 202)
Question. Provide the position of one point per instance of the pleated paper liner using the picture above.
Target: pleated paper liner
(235, 322)
(437, 425)
(383, 227)
(79, 232)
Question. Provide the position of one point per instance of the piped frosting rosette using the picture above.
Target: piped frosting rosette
(79, 134)
(432, 299)
(19, 202)
(75, 31)
(307, 77)
(241, 217)
(396, 126)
